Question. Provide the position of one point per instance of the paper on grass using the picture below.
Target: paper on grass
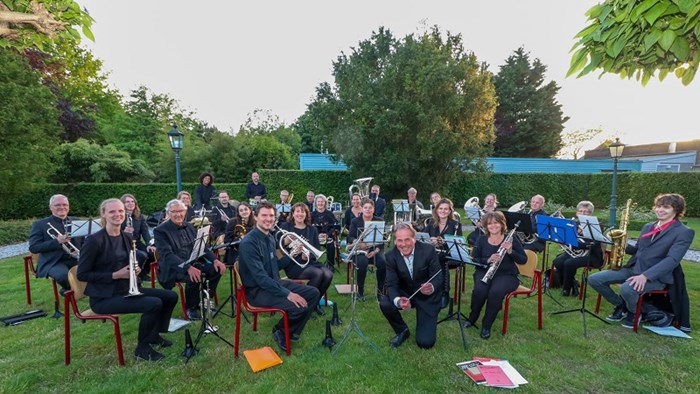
(669, 331)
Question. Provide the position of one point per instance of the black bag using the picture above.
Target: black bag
(156, 218)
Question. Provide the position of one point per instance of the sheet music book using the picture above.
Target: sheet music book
(374, 233)
(423, 237)
(458, 248)
(83, 228)
(200, 244)
(592, 230)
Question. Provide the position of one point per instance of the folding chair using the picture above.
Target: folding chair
(529, 270)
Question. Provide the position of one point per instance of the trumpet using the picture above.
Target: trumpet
(68, 247)
(307, 249)
(133, 266)
(222, 214)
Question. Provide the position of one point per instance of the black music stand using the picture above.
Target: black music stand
(375, 237)
(206, 327)
(457, 249)
(232, 295)
(401, 207)
(594, 235)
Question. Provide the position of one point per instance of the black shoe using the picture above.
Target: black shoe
(574, 290)
(399, 338)
(361, 297)
(62, 291)
(628, 322)
(565, 292)
(379, 297)
(278, 335)
(162, 342)
(619, 313)
(485, 333)
(467, 324)
(319, 310)
(193, 314)
(444, 300)
(295, 338)
(148, 354)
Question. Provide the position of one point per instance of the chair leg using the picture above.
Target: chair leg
(638, 312)
(27, 284)
(66, 328)
(255, 321)
(237, 334)
(505, 315)
(286, 333)
(539, 304)
(182, 300)
(118, 339)
(597, 304)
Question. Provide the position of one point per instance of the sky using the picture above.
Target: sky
(224, 59)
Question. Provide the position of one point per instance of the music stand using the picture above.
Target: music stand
(457, 250)
(206, 327)
(369, 233)
(83, 228)
(232, 295)
(402, 207)
(591, 233)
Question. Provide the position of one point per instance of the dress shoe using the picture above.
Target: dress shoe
(320, 311)
(565, 292)
(399, 338)
(278, 335)
(148, 354)
(162, 342)
(193, 314)
(485, 333)
(295, 338)
(467, 324)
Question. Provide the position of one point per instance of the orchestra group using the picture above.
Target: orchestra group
(260, 238)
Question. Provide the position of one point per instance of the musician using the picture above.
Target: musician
(490, 205)
(505, 279)
(135, 225)
(434, 199)
(413, 203)
(318, 276)
(283, 216)
(565, 265)
(310, 200)
(233, 232)
(175, 239)
(186, 199)
(353, 211)
(326, 223)
(374, 252)
(379, 203)
(104, 265)
(53, 261)
(222, 214)
(409, 267)
(443, 222)
(204, 191)
(536, 208)
(261, 280)
(255, 190)
(658, 252)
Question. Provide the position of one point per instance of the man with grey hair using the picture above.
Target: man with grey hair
(174, 240)
(54, 261)
(536, 208)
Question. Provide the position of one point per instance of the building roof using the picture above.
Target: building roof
(636, 151)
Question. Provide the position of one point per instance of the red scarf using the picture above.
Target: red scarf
(657, 229)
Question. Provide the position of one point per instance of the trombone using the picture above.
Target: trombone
(68, 247)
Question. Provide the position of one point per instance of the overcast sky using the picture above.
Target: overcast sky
(223, 59)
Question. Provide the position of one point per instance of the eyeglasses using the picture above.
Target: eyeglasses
(178, 211)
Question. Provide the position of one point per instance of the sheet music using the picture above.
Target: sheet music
(458, 248)
(423, 237)
(283, 208)
(374, 233)
(473, 213)
(200, 243)
(83, 228)
(592, 229)
(400, 206)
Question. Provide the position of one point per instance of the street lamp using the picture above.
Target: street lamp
(615, 152)
(177, 142)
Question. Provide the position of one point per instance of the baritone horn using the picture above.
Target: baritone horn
(294, 241)
(360, 186)
(68, 247)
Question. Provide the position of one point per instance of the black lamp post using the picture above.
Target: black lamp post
(177, 142)
(615, 152)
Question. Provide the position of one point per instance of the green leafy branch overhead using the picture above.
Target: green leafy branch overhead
(638, 38)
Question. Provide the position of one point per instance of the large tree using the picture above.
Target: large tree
(639, 38)
(407, 111)
(529, 119)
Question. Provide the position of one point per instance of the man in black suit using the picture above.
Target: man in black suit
(659, 250)
(261, 281)
(174, 240)
(379, 203)
(409, 267)
(255, 190)
(53, 261)
(223, 213)
(536, 208)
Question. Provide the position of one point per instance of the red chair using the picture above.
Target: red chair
(528, 269)
(638, 312)
(71, 298)
(243, 301)
(29, 267)
(154, 276)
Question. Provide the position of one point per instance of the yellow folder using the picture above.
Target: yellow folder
(262, 358)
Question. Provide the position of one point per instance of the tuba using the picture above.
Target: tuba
(474, 203)
(360, 186)
(133, 266)
(296, 240)
(619, 238)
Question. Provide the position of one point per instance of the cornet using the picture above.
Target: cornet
(133, 266)
(68, 247)
(296, 240)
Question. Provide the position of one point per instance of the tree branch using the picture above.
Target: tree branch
(40, 19)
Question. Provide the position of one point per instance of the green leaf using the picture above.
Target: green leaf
(667, 39)
(578, 61)
(594, 11)
(588, 30)
(593, 64)
(88, 33)
(684, 5)
(645, 78)
(663, 73)
(604, 12)
(679, 72)
(693, 12)
(681, 49)
(689, 75)
(655, 12)
(618, 46)
(651, 38)
(639, 9)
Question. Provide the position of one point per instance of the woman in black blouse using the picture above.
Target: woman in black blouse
(204, 191)
(104, 265)
(319, 276)
(135, 225)
(353, 211)
(505, 279)
(233, 231)
(326, 223)
(444, 223)
(373, 251)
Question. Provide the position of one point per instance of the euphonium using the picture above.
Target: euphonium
(360, 186)
(133, 266)
(68, 247)
(474, 203)
(501, 253)
(524, 239)
(296, 240)
(619, 238)
(566, 248)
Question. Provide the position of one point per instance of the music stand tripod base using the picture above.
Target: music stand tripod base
(206, 327)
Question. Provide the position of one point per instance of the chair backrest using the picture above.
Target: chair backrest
(528, 269)
(238, 274)
(76, 285)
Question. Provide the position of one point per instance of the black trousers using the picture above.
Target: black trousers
(192, 291)
(566, 266)
(362, 262)
(319, 276)
(156, 306)
(297, 316)
(330, 252)
(426, 321)
(59, 272)
(492, 294)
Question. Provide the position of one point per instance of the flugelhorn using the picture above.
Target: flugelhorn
(68, 247)
(295, 240)
(133, 266)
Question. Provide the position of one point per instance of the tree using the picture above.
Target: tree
(263, 122)
(574, 141)
(406, 110)
(639, 38)
(25, 24)
(529, 119)
(28, 126)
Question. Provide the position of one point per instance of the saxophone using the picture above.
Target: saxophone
(619, 238)
(501, 253)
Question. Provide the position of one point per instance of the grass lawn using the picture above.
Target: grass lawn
(556, 359)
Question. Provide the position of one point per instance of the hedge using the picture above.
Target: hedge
(567, 189)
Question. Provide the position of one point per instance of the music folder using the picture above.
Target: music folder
(262, 358)
(559, 230)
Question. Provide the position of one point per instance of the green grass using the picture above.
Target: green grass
(556, 359)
